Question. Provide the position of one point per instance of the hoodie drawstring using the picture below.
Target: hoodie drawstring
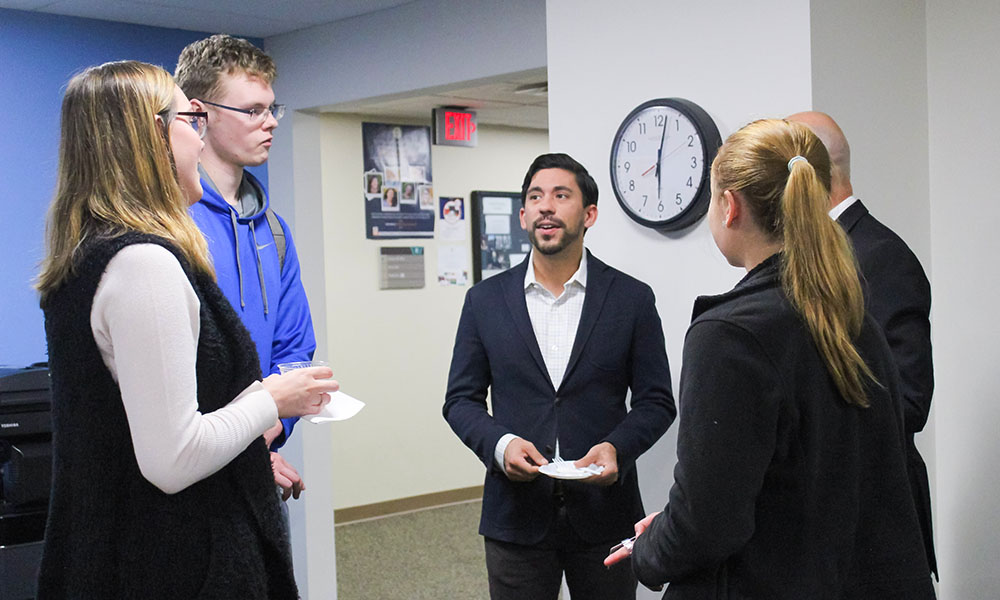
(239, 265)
(260, 268)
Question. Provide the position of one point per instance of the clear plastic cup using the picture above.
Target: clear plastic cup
(286, 367)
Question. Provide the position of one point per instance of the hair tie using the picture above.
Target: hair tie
(794, 160)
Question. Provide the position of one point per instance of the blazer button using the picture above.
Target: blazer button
(558, 400)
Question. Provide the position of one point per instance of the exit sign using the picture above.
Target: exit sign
(454, 127)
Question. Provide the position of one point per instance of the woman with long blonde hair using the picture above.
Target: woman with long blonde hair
(791, 478)
(162, 486)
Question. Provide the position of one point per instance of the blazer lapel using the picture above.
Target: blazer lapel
(599, 279)
(513, 292)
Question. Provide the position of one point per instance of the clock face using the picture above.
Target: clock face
(660, 163)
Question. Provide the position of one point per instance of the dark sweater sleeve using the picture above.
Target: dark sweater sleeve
(726, 438)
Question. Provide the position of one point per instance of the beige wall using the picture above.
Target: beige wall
(392, 348)
(963, 97)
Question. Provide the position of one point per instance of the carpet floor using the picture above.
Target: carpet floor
(434, 554)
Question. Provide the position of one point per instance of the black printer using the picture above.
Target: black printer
(25, 475)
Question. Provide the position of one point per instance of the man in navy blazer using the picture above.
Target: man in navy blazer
(558, 341)
(898, 296)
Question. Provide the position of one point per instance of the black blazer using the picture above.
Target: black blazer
(782, 490)
(898, 296)
(618, 347)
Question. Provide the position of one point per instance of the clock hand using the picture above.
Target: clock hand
(646, 172)
(659, 153)
(674, 150)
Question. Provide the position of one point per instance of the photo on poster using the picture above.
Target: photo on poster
(408, 193)
(373, 184)
(392, 174)
(401, 154)
(426, 194)
(418, 173)
(390, 199)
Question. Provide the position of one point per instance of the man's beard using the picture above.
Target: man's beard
(568, 237)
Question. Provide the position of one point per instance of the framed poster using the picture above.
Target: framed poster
(397, 181)
(498, 241)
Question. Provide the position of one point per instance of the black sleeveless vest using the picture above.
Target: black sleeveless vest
(111, 533)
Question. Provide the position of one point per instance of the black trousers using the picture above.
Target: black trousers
(518, 572)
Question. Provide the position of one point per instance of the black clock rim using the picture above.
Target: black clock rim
(711, 142)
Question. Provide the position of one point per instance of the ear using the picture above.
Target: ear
(732, 207)
(198, 106)
(589, 215)
(524, 225)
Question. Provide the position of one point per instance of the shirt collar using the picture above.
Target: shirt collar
(580, 276)
(838, 210)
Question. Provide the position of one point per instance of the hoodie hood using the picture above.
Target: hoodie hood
(252, 204)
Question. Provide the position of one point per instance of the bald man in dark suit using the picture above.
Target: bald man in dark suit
(898, 296)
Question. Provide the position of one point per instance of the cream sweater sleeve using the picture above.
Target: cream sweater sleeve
(145, 319)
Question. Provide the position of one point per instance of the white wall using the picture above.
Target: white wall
(392, 348)
(964, 95)
(856, 61)
(606, 58)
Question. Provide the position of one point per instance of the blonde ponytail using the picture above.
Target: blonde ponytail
(819, 275)
(788, 199)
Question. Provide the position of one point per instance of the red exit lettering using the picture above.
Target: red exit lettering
(458, 126)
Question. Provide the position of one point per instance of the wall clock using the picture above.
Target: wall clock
(661, 160)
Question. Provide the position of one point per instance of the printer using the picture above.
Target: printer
(25, 475)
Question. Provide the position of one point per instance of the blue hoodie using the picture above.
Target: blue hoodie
(270, 300)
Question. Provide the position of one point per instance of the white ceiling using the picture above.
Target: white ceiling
(245, 18)
(496, 100)
(513, 100)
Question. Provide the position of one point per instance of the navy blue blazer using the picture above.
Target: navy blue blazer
(619, 346)
(898, 296)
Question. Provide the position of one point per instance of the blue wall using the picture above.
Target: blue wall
(39, 53)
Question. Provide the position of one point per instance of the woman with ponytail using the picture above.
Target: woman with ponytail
(791, 478)
(161, 480)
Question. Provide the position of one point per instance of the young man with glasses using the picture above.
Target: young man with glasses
(254, 257)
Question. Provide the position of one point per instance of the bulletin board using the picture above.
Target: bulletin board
(498, 241)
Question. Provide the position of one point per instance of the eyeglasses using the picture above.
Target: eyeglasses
(197, 120)
(255, 114)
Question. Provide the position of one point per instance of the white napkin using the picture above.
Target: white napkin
(340, 408)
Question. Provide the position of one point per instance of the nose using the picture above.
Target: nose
(270, 122)
(545, 204)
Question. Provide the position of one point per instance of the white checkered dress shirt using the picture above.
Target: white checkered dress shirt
(555, 321)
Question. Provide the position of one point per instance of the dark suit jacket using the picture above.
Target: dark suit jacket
(898, 295)
(618, 346)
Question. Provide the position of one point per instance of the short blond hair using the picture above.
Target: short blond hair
(202, 64)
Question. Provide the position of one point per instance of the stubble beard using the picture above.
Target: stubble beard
(569, 236)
